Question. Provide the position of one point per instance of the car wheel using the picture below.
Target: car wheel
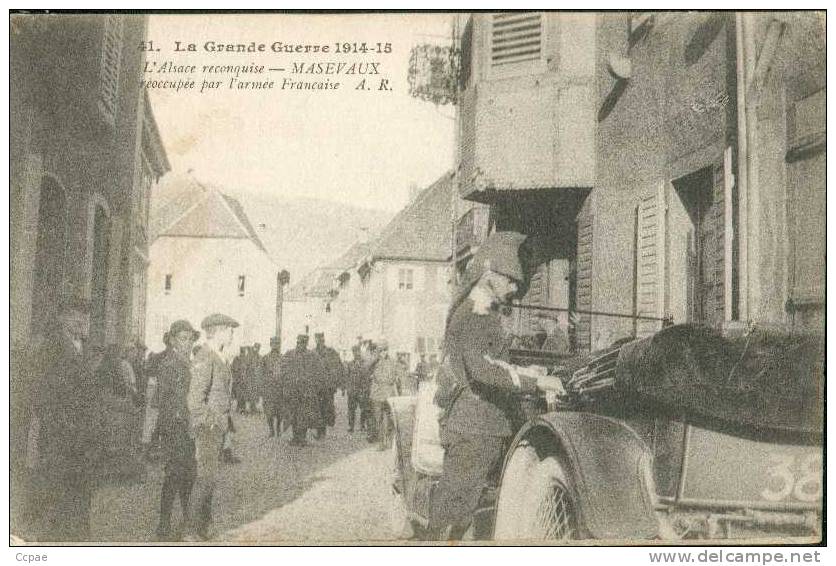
(398, 514)
(536, 499)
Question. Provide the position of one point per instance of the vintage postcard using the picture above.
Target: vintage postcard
(417, 278)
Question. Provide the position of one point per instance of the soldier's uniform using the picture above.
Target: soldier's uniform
(477, 395)
(333, 379)
(302, 371)
(272, 392)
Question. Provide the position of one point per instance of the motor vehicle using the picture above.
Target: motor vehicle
(635, 449)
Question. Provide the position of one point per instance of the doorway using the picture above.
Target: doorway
(703, 248)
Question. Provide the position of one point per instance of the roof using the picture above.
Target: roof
(182, 206)
(317, 283)
(351, 256)
(421, 231)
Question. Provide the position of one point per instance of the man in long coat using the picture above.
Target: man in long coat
(272, 390)
(477, 387)
(332, 380)
(68, 424)
(302, 372)
(357, 386)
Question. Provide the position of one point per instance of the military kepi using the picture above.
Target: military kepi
(218, 319)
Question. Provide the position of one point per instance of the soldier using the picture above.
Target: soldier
(238, 377)
(67, 427)
(477, 386)
(209, 402)
(178, 447)
(272, 390)
(387, 380)
(357, 387)
(333, 379)
(301, 371)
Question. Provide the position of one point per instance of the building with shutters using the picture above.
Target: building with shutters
(206, 257)
(397, 287)
(667, 165)
(84, 154)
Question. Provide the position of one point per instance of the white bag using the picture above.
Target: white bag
(427, 451)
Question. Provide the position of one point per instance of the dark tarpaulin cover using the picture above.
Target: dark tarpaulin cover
(767, 384)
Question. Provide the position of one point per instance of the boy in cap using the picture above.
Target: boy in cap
(209, 400)
(178, 447)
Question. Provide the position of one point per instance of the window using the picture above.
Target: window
(242, 285)
(167, 287)
(110, 63)
(420, 345)
(405, 279)
(516, 37)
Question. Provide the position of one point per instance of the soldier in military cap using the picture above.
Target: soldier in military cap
(209, 400)
(477, 386)
(272, 392)
(301, 371)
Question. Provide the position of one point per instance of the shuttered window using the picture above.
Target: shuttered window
(110, 64)
(516, 38)
(649, 257)
(806, 213)
(583, 289)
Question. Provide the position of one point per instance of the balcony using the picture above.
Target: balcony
(527, 103)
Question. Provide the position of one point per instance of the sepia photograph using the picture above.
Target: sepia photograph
(417, 278)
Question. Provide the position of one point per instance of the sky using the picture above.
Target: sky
(353, 146)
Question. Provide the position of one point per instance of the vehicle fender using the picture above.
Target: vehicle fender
(611, 469)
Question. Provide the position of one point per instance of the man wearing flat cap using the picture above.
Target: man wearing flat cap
(174, 424)
(209, 400)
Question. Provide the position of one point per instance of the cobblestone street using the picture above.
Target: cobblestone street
(335, 490)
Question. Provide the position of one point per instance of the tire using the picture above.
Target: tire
(399, 520)
(536, 499)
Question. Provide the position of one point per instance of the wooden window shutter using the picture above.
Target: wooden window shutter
(650, 260)
(110, 66)
(516, 37)
(583, 291)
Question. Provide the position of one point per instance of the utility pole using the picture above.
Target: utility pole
(282, 279)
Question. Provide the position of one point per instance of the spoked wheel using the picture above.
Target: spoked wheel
(536, 500)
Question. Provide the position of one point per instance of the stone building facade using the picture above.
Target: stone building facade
(85, 152)
(667, 165)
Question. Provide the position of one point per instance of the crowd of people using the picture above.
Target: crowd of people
(103, 415)
(87, 410)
